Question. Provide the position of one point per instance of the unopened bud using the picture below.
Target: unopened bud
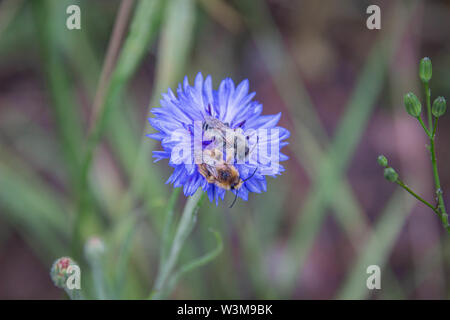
(390, 175)
(412, 104)
(94, 247)
(425, 70)
(382, 161)
(59, 273)
(439, 107)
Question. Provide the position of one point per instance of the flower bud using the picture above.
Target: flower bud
(412, 105)
(93, 248)
(382, 161)
(439, 107)
(390, 175)
(425, 70)
(59, 273)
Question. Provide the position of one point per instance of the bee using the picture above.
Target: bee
(220, 172)
(235, 137)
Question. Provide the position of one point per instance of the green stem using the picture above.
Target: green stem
(424, 126)
(185, 226)
(74, 294)
(428, 102)
(167, 227)
(415, 195)
(434, 128)
(441, 206)
(99, 278)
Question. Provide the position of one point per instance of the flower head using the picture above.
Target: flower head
(59, 271)
(218, 140)
(94, 247)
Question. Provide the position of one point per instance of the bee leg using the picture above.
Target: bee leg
(235, 198)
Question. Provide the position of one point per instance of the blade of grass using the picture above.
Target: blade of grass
(120, 26)
(334, 164)
(29, 204)
(197, 263)
(144, 25)
(8, 11)
(380, 244)
(309, 132)
(124, 257)
(121, 135)
(65, 110)
(177, 31)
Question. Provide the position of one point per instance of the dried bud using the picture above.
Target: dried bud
(439, 107)
(412, 105)
(59, 273)
(382, 161)
(425, 70)
(390, 175)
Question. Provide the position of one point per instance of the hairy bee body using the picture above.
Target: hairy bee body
(218, 171)
(233, 140)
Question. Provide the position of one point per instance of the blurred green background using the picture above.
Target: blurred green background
(74, 161)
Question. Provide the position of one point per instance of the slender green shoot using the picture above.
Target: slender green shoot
(414, 108)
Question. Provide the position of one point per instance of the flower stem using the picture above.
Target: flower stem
(167, 226)
(424, 126)
(428, 102)
(185, 226)
(434, 128)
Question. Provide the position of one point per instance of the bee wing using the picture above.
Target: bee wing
(220, 129)
(212, 170)
(215, 123)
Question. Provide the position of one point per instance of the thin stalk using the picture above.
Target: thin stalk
(441, 206)
(424, 126)
(434, 128)
(74, 294)
(99, 278)
(415, 195)
(120, 26)
(168, 226)
(185, 226)
(441, 211)
(428, 102)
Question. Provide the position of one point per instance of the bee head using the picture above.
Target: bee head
(236, 183)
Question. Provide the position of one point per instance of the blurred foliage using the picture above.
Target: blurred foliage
(66, 175)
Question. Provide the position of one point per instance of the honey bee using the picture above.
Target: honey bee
(220, 172)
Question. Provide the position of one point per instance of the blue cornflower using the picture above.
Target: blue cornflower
(182, 122)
